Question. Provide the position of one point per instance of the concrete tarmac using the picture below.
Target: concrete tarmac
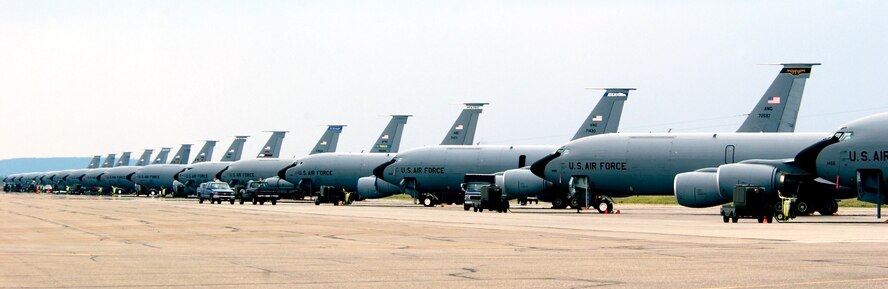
(86, 242)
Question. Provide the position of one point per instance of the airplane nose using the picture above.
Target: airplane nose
(538, 168)
(379, 171)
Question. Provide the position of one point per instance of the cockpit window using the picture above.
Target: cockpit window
(563, 151)
(397, 159)
(847, 136)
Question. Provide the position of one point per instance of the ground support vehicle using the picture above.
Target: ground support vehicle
(215, 192)
(259, 192)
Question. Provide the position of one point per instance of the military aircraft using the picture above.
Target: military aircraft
(628, 164)
(238, 174)
(435, 174)
(158, 178)
(267, 163)
(432, 170)
(116, 178)
(347, 170)
(206, 171)
(847, 164)
(327, 144)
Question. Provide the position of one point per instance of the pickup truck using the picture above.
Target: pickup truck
(215, 192)
(259, 192)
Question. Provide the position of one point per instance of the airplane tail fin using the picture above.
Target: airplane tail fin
(206, 152)
(236, 149)
(463, 130)
(94, 163)
(124, 160)
(109, 161)
(605, 117)
(145, 158)
(778, 109)
(272, 148)
(390, 139)
(161, 156)
(181, 156)
(328, 141)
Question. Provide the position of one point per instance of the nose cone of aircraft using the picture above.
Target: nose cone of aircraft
(538, 168)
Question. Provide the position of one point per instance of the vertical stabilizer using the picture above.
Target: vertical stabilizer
(161, 156)
(778, 109)
(145, 159)
(236, 149)
(206, 152)
(109, 161)
(328, 141)
(94, 163)
(390, 139)
(272, 148)
(463, 130)
(124, 160)
(605, 117)
(181, 156)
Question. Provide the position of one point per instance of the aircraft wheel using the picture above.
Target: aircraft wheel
(574, 202)
(802, 208)
(605, 207)
(274, 202)
(231, 201)
(261, 203)
(480, 209)
(559, 203)
(254, 201)
(829, 208)
(725, 219)
(769, 219)
(466, 207)
(317, 202)
(734, 218)
(200, 200)
(241, 201)
(760, 219)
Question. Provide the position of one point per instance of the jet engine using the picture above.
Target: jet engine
(706, 188)
(374, 188)
(698, 190)
(518, 183)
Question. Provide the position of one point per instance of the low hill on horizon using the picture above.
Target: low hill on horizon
(27, 165)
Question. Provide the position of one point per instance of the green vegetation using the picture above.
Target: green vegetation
(670, 200)
(399, 197)
(655, 200)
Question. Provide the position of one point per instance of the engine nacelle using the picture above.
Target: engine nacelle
(518, 183)
(698, 190)
(374, 188)
(731, 175)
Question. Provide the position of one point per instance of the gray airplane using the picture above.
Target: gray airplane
(206, 171)
(89, 181)
(269, 170)
(847, 164)
(435, 174)
(117, 178)
(93, 179)
(432, 170)
(347, 171)
(628, 164)
(327, 144)
(238, 173)
(70, 180)
(158, 178)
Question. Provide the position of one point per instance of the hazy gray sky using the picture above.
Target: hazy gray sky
(79, 78)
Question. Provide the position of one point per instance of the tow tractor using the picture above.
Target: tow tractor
(752, 202)
(490, 198)
(330, 194)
